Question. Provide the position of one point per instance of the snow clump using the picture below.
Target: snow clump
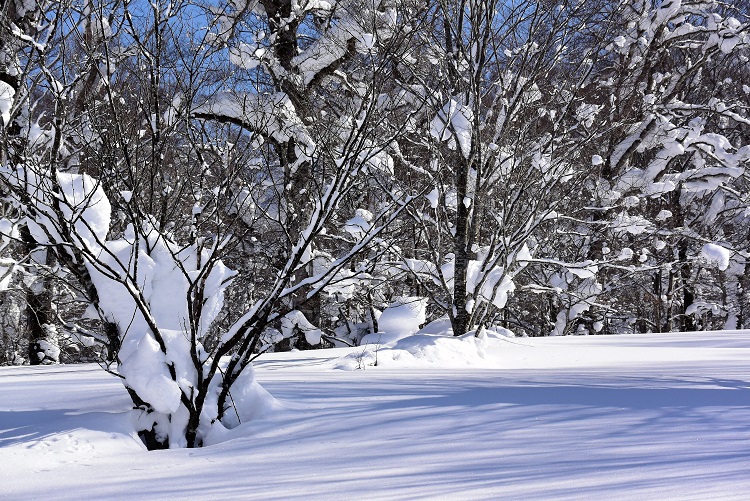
(716, 255)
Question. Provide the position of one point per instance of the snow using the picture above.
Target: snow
(487, 283)
(6, 102)
(657, 416)
(587, 271)
(296, 320)
(663, 215)
(433, 198)
(252, 402)
(87, 205)
(454, 124)
(246, 56)
(626, 254)
(716, 255)
(401, 318)
(586, 113)
(271, 115)
(163, 270)
(625, 223)
(348, 27)
(83, 203)
(359, 225)
(7, 267)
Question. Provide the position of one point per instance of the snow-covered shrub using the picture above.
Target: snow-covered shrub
(155, 204)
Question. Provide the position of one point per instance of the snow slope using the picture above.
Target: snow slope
(622, 417)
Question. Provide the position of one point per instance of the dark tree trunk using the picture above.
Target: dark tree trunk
(38, 321)
(459, 315)
(39, 314)
(113, 340)
(743, 298)
(688, 289)
(657, 301)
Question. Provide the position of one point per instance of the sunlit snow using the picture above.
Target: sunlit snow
(656, 416)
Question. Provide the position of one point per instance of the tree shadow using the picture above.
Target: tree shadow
(30, 426)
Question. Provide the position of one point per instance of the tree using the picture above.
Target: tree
(146, 193)
(664, 154)
(502, 147)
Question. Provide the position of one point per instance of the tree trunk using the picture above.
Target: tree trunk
(39, 315)
(459, 315)
(688, 289)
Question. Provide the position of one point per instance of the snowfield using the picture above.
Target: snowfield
(621, 417)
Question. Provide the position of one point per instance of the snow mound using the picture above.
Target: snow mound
(426, 350)
(440, 326)
(402, 318)
(251, 402)
(432, 350)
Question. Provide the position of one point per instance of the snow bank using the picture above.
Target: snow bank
(435, 346)
(251, 402)
(402, 318)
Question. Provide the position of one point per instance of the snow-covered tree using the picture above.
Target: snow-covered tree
(670, 156)
(500, 149)
(558, 137)
(150, 189)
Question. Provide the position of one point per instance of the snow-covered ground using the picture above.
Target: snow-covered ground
(621, 417)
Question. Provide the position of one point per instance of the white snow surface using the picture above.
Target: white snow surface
(647, 417)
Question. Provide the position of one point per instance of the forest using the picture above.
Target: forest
(187, 184)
